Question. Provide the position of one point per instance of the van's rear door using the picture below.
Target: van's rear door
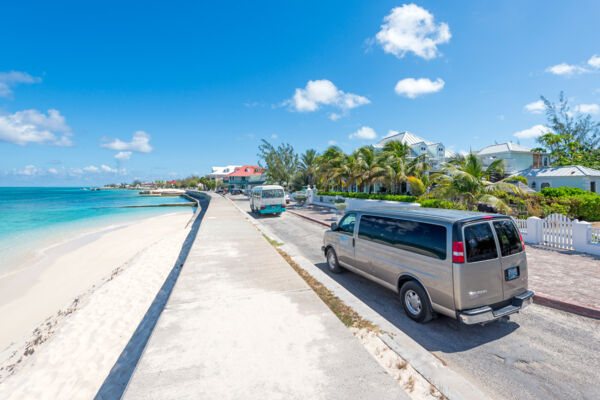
(478, 281)
(513, 258)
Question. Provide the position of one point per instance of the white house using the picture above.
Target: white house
(575, 176)
(436, 151)
(516, 157)
(220, 172)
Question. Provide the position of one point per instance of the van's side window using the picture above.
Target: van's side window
(480, 243)
(417, 237)
(510, 243)
(347, 224)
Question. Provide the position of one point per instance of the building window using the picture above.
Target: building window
(441, 149)
(593, 187)
(533, 185)
(545, 185)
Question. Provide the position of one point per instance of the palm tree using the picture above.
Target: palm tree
(308, 165)
(327, 166)
(368, 167)
(465, 179)
(400, 171)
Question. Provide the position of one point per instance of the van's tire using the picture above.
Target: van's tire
(332, 261)
(415, 302)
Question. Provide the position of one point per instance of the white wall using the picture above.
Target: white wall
(581, 182)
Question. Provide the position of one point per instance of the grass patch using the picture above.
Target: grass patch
(273, 243)
(346, 314)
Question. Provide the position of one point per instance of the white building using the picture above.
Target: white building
(435, 150)
(516, 157)
(575, 176)
(220, 172)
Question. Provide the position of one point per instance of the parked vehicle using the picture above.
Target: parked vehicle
(466, 265)
(287, 198)
(268, 199)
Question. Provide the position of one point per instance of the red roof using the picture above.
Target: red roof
(247, 170)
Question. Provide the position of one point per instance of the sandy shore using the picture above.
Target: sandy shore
(62, 333)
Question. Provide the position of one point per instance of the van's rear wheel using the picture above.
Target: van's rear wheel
(415, 302)
(332, 261)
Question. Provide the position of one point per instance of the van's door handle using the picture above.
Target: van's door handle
(353, 242)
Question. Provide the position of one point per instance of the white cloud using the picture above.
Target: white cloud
(106, 168)
(91, 168)
(332, 143)
(364, 133)
(391, 132)
(566, 69)
(334, 116)
(537, 107)
(324, 92)
(8, 80)
(140, 143)
(533, 132)
(32, 126)
(29, 170)
(123, 155)
(594, 61)
(588, 108)
(413, 88)
(412, 28)
(53, 171)
(274, 136)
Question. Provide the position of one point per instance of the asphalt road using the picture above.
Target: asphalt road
(540, 353)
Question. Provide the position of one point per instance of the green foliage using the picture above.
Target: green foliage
(370, 196)
(521, 179)
(439, 203)
(572, 138)
(563, 192)
(281, 162)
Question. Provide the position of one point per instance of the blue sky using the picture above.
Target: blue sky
(173, 88)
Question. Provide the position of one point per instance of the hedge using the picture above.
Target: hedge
(563, 192)
(439, 203)
(372, 196)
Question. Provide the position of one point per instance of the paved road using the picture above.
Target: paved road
(539, 354)
(241, 324)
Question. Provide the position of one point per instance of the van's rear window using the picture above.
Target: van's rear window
(480, 243)
(272, 193)
(510, 243)
(417, 237)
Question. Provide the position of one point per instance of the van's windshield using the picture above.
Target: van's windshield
(272, 193)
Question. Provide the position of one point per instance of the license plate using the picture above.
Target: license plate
(511, 273)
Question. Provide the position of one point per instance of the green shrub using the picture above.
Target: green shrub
(563, 192)
(372, 196)
(439, 203)
(521, 179)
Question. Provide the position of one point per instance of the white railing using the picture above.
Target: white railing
(522, 225)
(557, 231)
(594, 236)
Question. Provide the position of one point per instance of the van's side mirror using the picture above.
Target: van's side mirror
(334, 226)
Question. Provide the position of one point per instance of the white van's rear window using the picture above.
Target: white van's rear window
(272, 193)
(479, 242)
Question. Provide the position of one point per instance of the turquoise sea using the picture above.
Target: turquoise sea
(31, 218)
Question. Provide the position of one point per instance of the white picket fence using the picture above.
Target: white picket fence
(557, 230)
(594, 236)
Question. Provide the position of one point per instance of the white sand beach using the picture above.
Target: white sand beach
(66, 319)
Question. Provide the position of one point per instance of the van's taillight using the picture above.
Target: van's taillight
(263, 208)
(458, 252)
(522, 241)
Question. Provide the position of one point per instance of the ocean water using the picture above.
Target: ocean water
(31, 218)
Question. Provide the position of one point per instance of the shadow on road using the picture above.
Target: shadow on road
(116, 382)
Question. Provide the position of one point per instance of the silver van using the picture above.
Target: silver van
(466, 265)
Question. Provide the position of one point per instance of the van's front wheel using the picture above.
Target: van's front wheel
(415, 302)
(332, 262)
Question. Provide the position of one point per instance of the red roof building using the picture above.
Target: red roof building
(245, 177)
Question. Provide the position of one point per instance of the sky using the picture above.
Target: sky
(108, 92)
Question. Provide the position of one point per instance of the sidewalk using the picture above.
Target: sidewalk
(561, 279)
(241, 323)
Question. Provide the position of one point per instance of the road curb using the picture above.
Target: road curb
(568, 306)
(539, 298)
(310, 218)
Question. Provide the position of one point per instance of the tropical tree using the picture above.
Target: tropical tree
(328, 165)
(572, 138)
(281, 162)
(308, 165)
(465, 179)
(400, 171)
(367, 170)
